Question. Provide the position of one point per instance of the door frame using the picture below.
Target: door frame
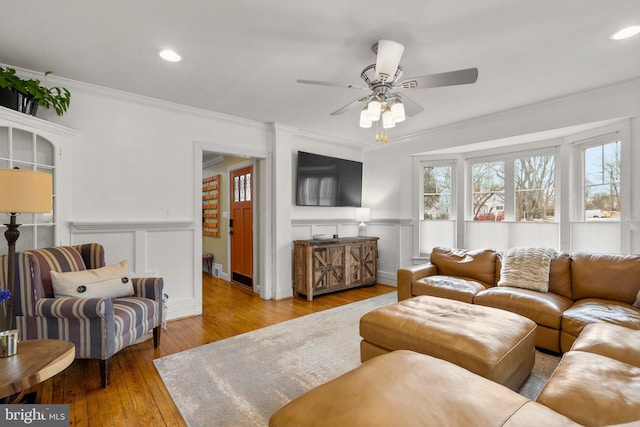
(254, 202)
(264, 215)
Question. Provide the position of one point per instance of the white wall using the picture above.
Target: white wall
(391, 192)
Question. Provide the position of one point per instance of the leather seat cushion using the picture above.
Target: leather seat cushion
(593, 390)
(592, 310)
(614, 341)
(543, 308)
(457, 288)
(477, 264)
(495, 344)
(404, 388)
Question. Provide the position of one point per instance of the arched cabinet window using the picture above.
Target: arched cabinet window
(30, 143)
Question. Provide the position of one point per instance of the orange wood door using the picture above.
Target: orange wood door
(241, 225)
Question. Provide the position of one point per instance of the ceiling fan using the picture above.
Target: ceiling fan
(383, 79)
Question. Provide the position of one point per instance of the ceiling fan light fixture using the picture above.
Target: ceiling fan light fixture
(388, 59)
(387, 119)
(397, 112)
(365, 122)
(374, 107)
(626, 32)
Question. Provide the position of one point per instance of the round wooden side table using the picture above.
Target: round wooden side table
(36, 361)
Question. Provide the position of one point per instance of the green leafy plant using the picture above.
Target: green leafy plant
(57, 98)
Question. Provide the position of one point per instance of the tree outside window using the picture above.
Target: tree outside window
(602, 182)
(535, 188)
(488, 191)
(437, 192)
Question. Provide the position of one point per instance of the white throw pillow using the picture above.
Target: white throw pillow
(527, 268)
(107, 282)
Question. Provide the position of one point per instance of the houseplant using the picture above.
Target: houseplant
(25, 95)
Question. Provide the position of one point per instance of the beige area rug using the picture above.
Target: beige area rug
(241, 381)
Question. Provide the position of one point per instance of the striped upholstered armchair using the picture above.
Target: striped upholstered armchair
(99, 327)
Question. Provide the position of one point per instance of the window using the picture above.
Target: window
(488, 191)
(535, 188)
(436, 192)
(601, 176)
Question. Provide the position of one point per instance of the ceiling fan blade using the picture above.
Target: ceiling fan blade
(321, 83)
(411, 107)
(388, 55)
(351, 105)
(450, 78)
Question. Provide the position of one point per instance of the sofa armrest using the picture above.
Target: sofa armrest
(407, 275)
(148, 287)
(73, 308)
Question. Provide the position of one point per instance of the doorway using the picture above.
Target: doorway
(241, 225)
(235, 225)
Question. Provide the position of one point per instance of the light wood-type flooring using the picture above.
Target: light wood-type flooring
(136, 395)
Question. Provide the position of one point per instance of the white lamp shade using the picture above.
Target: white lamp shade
(397, 112)
(365, 122)
(25, 191)
(363, 214)
(373, 110)
(387, 119)
(388, 59)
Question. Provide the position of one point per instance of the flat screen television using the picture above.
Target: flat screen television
(328, 181)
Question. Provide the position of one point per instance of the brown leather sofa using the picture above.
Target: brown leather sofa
(597, 383)
(584, 288)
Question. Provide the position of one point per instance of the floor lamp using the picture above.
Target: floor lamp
(21, 191)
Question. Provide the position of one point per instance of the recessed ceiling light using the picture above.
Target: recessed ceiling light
(625, 33)
(169, 55)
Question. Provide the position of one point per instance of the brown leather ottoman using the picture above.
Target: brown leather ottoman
(404, 388)
(496, 344)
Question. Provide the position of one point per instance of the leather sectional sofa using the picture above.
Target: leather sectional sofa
(597, 383)
(583, 288)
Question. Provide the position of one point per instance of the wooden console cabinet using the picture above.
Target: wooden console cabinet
(323, 266)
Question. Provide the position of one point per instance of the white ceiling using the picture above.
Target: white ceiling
(243, 57)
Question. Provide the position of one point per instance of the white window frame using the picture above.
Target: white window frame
(453, 189)
(509, 159)
(579, 155)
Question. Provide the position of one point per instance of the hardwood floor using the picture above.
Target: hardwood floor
(136, 394)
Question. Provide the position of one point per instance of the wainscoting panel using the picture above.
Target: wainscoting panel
(153, 249)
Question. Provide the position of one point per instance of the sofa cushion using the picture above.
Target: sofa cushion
(543, 308)
(526, 268)
(106, 282)
(457, 288)
(475, 264)
(559, 273)
(605, 276)
(594, 310)
(593, 390)
(614, 341)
